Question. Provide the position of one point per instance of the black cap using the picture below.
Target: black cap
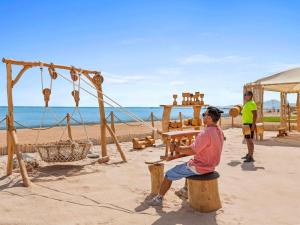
(214, 113)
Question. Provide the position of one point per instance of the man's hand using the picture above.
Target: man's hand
(184, 150)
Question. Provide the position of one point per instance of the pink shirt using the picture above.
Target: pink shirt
(208, 147)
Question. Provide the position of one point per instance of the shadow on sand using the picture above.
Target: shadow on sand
(249, 166)
(185, 215)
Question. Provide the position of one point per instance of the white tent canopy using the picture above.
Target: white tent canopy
(286, 81)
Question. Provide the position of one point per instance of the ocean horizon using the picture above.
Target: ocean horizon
(39, 116)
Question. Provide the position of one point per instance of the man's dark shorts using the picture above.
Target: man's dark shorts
(252, 132)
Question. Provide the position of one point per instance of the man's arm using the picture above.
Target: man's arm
(254, 119)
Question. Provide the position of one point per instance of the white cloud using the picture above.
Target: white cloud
(118, 79)
(170, 71)
(205, 59)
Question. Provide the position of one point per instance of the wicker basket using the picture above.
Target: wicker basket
(64, 151)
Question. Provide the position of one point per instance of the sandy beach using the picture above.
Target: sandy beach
(85, 192)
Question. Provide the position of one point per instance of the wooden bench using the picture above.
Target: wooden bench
(203, 192)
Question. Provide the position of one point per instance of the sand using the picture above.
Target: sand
(85, 192)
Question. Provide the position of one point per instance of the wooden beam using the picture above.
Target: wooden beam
(298, 112)
(56, 66)
(10, 150)
(20, 75)
(152, 124)
(112, 134)
(9, 119)
(102, 121)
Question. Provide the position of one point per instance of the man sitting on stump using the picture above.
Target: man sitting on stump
(206, 149)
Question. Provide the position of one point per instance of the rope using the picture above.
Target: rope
(42, 79)
(128, 124)
(44, 128)
(108, 116)
(1, 121)
(130, 114)
(140, 120)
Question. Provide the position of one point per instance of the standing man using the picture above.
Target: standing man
(249, 116)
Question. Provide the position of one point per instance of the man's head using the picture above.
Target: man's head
(211, 115)
(248, 95)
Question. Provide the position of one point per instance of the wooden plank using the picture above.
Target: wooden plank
(56, 66)
(180, 133)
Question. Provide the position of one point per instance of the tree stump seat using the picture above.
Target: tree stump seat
(203, 193)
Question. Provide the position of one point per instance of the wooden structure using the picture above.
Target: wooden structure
(177, 138)
(285, 82)
(189, 100)
(141, 143)
(94, 77)
(157, 176)
(203, 192)
(148, 141)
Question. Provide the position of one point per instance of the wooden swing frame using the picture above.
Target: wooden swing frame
(94, 77)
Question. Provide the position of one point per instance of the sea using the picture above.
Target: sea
(32, 117)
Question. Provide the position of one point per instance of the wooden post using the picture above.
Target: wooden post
(197, 110)
(157, 176)
(112, 134)
(112, 121)
(98, 80)
(298, 112)
(69, 126)
(166, 118)
(180, 120)
(152, 124)
(10, 151)
(283, 101)
(22, 166)
(10, 121)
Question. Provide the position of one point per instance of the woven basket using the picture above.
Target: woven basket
(64, 151)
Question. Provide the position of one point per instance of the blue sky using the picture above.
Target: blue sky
(149, 50)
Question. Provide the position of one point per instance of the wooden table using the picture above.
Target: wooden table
(177, 138)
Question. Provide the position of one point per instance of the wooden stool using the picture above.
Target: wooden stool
(157, 176)
(203, 193)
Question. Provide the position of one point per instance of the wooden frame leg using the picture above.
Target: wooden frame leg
(22, 166)
(116, 142)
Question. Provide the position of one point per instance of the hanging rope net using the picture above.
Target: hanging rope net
(64, 151)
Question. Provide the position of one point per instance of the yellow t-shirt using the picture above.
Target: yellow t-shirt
(247, 115)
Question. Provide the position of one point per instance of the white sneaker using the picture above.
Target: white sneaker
(182, 193)
(156, 201)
